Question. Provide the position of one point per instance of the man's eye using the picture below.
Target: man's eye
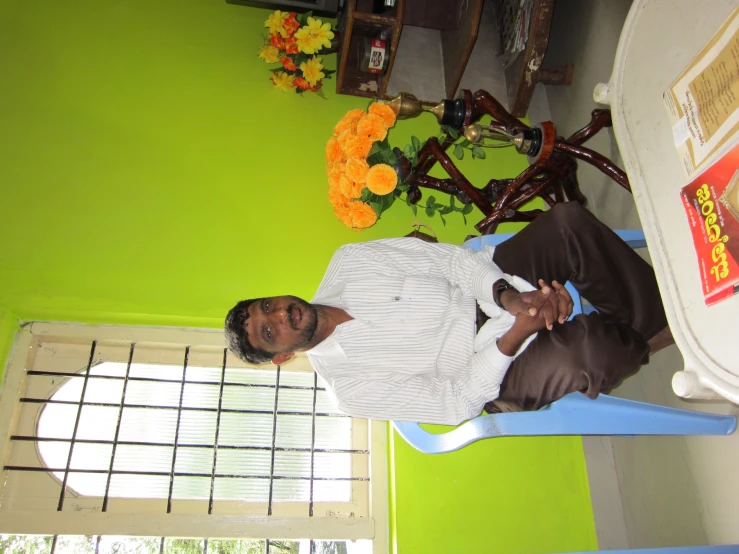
(269, 333)
(266, 306)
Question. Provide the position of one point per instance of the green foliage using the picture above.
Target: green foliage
(382, 153)
(462, 145)
(432, 207)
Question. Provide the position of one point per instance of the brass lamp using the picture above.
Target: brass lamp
(452, 113)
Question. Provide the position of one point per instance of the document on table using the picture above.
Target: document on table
(703, 103)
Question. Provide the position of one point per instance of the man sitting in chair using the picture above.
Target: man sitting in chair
(392, 328)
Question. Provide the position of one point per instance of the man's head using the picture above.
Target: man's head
(264, 329)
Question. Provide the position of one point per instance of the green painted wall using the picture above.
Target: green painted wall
(516, 495)
(152, 175)
(8, 328)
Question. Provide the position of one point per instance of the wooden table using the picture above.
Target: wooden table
(659, 39)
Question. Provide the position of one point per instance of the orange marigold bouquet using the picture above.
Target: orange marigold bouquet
(362, 181)
(294, 43)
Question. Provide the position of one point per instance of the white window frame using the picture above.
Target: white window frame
(93, 522)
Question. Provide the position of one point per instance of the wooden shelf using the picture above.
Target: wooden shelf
(360, 23)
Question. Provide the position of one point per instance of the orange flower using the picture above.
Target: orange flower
(288, 64)
(349, 188)
(333, 151)
(301, 83)
(354, 146)
(277, 41)
(384, 111)
(335, 196)
(356, 170)
(316, 87)
(357, 216)
(373, 127)
(291, 46)
(348, 122)
(291, 24)
(381, 179)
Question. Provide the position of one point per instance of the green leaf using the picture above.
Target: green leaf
(451, 131)
(403, 187)
(408, 151)
(464, 219)
(464, 143)
(443, 221)
(446, 210)
(366, 194)
(416, 143)
(451, 201)
(376, 158)
(458, 152)
(387, 201)
(414, 208)
(478, 152)
(392, 159)
(429, 211)
(377, 207)
(430, 200)
(467, 209)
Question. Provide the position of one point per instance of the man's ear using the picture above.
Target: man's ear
(278, 359)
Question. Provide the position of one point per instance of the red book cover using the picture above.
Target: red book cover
(711, 201)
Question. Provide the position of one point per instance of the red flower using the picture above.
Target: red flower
(302, 84)
(277, 41)
(291, 24)
(291, 46)
(288, 64)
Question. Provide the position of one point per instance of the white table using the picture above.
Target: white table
(659, 39)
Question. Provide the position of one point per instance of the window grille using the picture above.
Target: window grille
(158, 429)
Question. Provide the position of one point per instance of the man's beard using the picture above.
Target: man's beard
(310, 322)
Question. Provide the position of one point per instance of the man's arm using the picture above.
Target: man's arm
(437, 399)
(473, 272)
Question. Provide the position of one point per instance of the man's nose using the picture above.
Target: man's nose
(279, 316)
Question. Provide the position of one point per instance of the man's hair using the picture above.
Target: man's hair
(237, 338)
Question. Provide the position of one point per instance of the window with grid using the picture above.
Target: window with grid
(165, 434)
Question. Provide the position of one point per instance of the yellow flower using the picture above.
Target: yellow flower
(276, 21)
(283, 81)
(269, 54)
(312, 70)
(313, 36)
(304, 40)
(320, 32)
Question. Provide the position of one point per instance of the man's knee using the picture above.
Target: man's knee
(569, 216)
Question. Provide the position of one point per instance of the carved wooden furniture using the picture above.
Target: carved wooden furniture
(525, 69)
(552, 174)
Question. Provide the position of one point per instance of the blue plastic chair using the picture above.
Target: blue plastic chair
(574, 414)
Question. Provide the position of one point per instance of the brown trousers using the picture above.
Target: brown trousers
(592, 353)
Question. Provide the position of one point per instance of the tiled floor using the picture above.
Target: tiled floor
(648, 491)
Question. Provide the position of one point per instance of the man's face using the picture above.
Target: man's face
(281, 324)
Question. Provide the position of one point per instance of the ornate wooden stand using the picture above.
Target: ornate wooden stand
(552, 174)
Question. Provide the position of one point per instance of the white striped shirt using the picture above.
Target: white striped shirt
(411, 353)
